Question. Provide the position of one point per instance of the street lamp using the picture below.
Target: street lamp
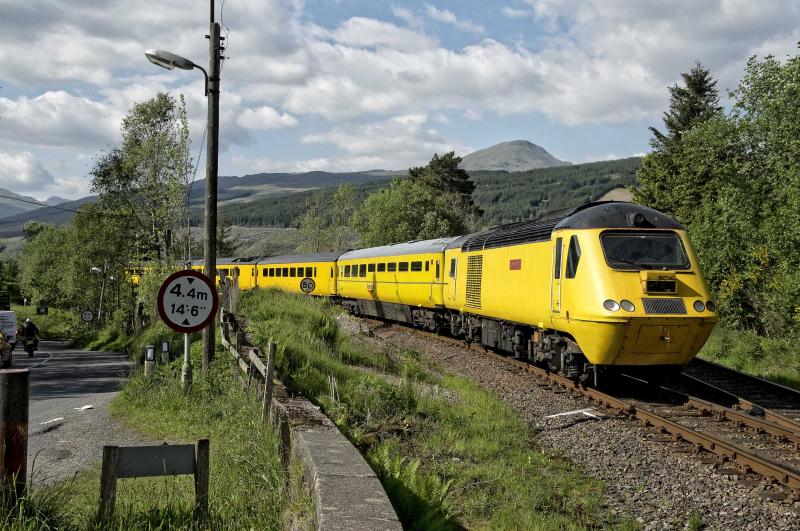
(169, 61)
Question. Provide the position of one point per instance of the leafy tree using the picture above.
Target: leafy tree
(660, 183)
(407, 210)
(443, 176)
(327, 223)
(146, 177)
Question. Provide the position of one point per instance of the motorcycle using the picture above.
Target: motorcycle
(29, 344)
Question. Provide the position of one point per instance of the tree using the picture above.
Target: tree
(660, 184)
(407, 210)
(443, 176)
(146, 177)
(327, 222)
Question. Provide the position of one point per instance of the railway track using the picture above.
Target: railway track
(739, 436)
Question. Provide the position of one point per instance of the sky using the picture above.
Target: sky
(348, 85)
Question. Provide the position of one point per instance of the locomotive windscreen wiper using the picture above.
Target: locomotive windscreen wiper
(631, 262)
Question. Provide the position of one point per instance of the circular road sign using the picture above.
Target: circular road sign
(307, 285)
(187, 301)
(87, 316)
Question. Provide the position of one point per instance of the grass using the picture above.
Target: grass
(776, 359)
(450, 454)
(248, 487)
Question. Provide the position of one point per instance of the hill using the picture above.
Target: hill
(12, 204)
(12, 225)
(517, 155)
(504, 197)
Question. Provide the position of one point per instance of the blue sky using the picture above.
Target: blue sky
(356, 85)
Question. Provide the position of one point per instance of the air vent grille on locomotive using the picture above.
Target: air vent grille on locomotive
(474, 277)
(673, 306)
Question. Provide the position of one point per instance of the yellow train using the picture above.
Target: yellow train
(604, 285)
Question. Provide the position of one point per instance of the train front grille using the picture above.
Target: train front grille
(663, 305)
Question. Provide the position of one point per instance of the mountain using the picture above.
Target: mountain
(11, 226)
(12, 204)
(55, 200)
(517, 155)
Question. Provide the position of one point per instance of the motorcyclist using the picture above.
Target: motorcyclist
(30, 331)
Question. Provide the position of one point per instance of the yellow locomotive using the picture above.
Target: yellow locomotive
(604, 285)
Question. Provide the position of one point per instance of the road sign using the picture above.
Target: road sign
(87, 316)
(187, 301)
(307, 285)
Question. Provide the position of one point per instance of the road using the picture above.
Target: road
(69, 396)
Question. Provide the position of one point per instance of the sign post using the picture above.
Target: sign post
(187, 302)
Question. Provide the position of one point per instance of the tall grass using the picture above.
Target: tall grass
(450, 454)
(776, 359)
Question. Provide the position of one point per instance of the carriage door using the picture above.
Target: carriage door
(555, 283)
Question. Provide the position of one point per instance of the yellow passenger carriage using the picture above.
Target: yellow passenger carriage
(313, 274)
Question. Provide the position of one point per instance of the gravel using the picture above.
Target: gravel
(660, 484)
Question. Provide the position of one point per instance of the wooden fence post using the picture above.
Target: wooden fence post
(239, 341)
(201, 478)
(266, 406)
(108, 482)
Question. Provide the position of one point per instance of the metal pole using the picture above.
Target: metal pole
(210, 247)
(102, 290)
(186, 371)
(14, 389)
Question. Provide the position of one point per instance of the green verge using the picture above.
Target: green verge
(776, 359)
(247, 488)
(449, 453)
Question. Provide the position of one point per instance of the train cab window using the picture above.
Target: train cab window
(381, 268)
(452, 268)
(370, 268)
(403, 266)
(310, 272)
(362, 270)
(391, 267)
(286, 271)
(557, 262)
(347, 270)
(573, 257)
(416, 266)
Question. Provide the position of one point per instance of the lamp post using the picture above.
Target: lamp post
(101, 272)
(169, 61)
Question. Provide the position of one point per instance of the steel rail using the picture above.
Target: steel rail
(748, 460)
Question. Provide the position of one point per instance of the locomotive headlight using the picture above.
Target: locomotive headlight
(611, 305)
(699, 306)
(711, 307)
(627, 305)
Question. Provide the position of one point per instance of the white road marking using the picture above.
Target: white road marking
(42, 362)
(84, 408)
(51, 421)
(589, 412)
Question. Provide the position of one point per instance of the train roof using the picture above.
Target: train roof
(299, 258)
(399, 249)
(605, 214)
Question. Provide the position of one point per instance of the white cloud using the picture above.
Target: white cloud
(21, 171)
(371, 33)
(514, 12)
(265, 118)
(448, 17)
(473, 115)
(407, 15)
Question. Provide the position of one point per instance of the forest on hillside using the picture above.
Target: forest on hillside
(504, 197)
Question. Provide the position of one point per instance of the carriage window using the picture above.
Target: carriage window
(272, 271)
(391, 267)
(347, 270)
(437, 268)
(452, 268)
(427, 265)
(292, 272)
(370, 268)
(557, 264)
(362, 270)
(381, 268)
(286, 271)
(573, 257)
(266, 271)
(278, 272)
(403, 266)
(416, 266)
(309, 271)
